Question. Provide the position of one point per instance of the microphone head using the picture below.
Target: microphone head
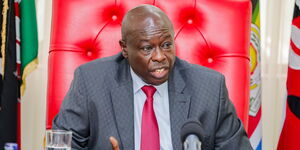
(192, 126)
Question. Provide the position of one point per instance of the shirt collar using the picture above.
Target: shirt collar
(138, 83)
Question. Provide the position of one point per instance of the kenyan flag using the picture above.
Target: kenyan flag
(29, 39)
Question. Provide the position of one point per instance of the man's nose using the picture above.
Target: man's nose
(158, 55)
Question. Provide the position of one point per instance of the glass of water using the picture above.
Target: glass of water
(58, 140)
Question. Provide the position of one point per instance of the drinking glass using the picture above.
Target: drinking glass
(58, 140)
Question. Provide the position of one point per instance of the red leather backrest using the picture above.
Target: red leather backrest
(213, 33)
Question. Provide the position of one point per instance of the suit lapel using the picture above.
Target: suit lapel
(122, 100)
(179, 105)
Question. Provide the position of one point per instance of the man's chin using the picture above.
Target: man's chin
(158, 81)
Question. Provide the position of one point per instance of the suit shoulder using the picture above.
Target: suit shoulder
(201, 70)
(104, 64)
(197, 71)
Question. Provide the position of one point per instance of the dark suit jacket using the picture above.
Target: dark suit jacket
(99, 104)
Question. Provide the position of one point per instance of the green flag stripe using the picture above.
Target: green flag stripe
(255, 12)
(29, 38)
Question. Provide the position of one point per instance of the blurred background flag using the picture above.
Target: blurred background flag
(18, 24)
(27, 44)
(290, 134)
(29, 39)
(255, 126)
(9, 84)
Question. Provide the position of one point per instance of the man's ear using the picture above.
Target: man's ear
(124, 48)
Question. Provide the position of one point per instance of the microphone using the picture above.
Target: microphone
(192, 134)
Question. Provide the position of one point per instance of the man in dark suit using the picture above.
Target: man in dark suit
(140, 98)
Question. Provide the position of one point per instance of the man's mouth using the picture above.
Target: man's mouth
(160, 73)
(159, 70)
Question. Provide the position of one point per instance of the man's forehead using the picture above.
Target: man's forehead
(145, 21)
(146, 34)
(148, 22)
(152, 30)
(150, 26)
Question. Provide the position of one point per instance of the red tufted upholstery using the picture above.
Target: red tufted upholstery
(213, 33)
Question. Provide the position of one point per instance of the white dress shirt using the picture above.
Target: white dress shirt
(161, 109)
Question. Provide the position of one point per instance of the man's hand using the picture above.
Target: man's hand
(114, 143)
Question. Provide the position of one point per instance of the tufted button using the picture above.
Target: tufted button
(210, 60)
(113, 13)
(114, 17)
(89, 53)
(190, 21)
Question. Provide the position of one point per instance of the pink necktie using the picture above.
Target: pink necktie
(150, 133)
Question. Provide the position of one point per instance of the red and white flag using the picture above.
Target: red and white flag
(290, 134)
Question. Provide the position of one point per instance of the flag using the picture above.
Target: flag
(255, 125)
(18, 59)
(290, 133)
(18, 24)
(27, 46)
(9, 84)
(29, 39)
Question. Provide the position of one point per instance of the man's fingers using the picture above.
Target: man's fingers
(114, 143)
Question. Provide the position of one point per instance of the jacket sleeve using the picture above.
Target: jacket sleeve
(73, 115)
(230, 133)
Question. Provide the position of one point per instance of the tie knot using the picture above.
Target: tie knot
(149, 90)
